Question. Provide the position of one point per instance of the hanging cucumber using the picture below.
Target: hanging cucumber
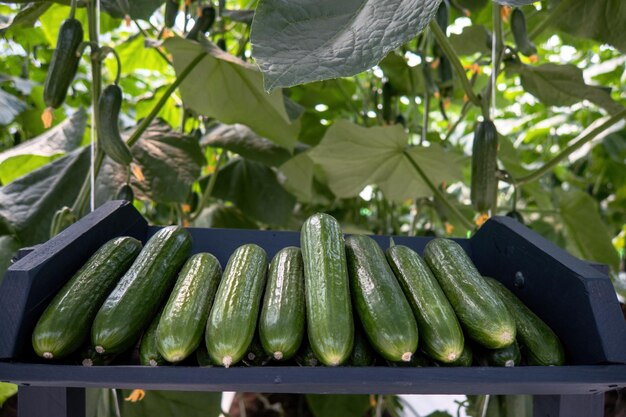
(483, 315)
(326, 286)
(109, 138)
(520, 34)
(484, 166)
(387, 102)
(131, 306)
(64, 63)
(171, 12)
(64, 325)
(281, 325)
(440, 333)
(184, 316)
(384, 311)
(203, 23)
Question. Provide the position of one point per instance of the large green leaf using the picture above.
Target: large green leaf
(224, 87)
(299, 41)
(10, 106)
(562, 85)
(9, 246)
(404, 79)
(338, 405)
(602, 20)
(52, 18)
(255, 190)
(28, 203)
(226, 217)
(354, 156)
(585, 230)
(298, 176)
(173, 403)
(27, 16)
(29, 155)
(134, 55)
(472, 39)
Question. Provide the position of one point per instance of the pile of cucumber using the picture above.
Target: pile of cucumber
(332, 302)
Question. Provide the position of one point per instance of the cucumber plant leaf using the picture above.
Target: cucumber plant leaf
(338, 405)
(27, 16)
(10, 107)
(354, 157)
(23, 158)
(224, 87)
(299, 41)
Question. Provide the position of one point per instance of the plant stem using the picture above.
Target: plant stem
(556, 12)
(209, 188)
(438, 194)
(448, 49)
(464, 112)
(134, 137)
(571, 149)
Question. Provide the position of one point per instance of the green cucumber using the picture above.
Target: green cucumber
(232, 322)
(149, 354)
(171, 12)
(542, 346)
(132, 305)
(441, 336)
(384, 311)
(326, 286)
(466, 359)
(507, 356)
(89, 357)
(281, 325)
(256, 355)
(109, 138)
(184, 316)
(64, 325)
(64, 63)
(306, 356)
(520, 34)
(418, 360)
(484, 187)
(362, 352)
(202, 24)
(483, 315)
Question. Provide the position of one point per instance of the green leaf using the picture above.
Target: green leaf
(29, 155)
(300, 41)
(171, 112)
(473, 39)
(224, 87)
(354, 156)
(28, 203)
(135, 55)
(243, 141)
(52, 18)
(298, 176)
(602, 20)
(6, 391)
(173, 403)
(27, 16)
(226, 217)
(255, 190)
(404, 79)
(10, 106)
(584, 228)
(338, 405)
(562, 85)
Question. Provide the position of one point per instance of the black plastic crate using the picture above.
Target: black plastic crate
(575, 298)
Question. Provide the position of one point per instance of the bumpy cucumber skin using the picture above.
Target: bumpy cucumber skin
(483, 316)
(64, 325)
(109, 138)
(542, 346)
(484, 165)
(131, 306)
(384, 311)
(281, 325)
(233, 318)
(149, 354)
(441, 336)
(64, 63)
(185, 315)
(330, 324)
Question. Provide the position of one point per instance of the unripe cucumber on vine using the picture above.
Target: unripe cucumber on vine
(520, 33)
(481, 312)
(109, 138)
(381, 305)
(232, 322)
(171, 12)
(484, 183)
(330, 326)
(64, 63)
(132, 304)
(64, 325)
(203, 23)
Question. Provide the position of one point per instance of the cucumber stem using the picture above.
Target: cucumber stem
(406, 356)
(278, 355)
(227, 361)
(152, 362)
(99, 349)
(48, 355)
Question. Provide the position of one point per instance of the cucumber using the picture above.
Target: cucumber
(149, 354)
(466, 358)
(202, 24)
(256, 355)
(507, 356)
(184, 316)
(281, 325)
(542, 346)
(232, 322)
(484, 187)
(482, 314)
(109, 138)
(64, 325)
(418, 360)
(441, 336)
(64, 63)
(327, 292)
(362, 352)
(520, 35)
(89, 357)
(132, 305)
(202, 356)
(306, 356)
(384, 311)
(171, 12)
